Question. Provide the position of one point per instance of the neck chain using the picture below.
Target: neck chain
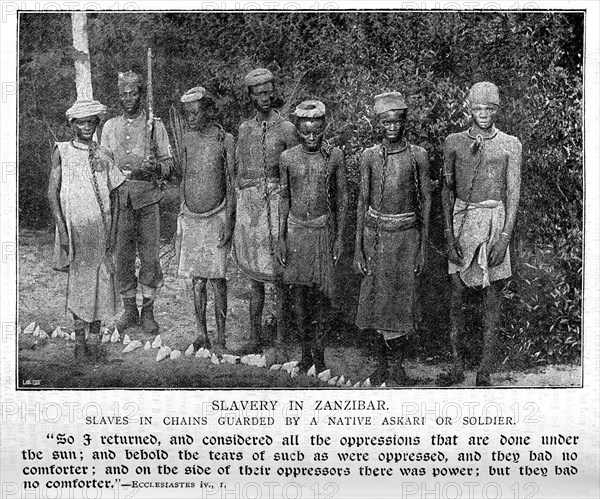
(491, 135)
(386, 144)
(268, 124)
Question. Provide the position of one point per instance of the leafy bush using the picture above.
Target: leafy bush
(345, 59)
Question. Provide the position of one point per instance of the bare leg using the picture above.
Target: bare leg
(220, 289)
(94, 346)
(300, 311)
(282, 305)
(318, 349)
(257, 303)
(382, 371)
(457, 325)
(199, 290)
(82, 353)
(492, 305)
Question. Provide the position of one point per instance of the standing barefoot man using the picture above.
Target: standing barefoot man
(391, 236)
(205, 223)
(482, 180)
(261, 140)
(313, 181)
(83, 198)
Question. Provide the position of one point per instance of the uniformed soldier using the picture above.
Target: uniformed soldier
(145, 163)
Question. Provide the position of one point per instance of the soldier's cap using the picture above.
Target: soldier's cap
(130, 79)
(84, 108)
(194, 94)
(310, 109)
(389, 101)
(258, 77)
(484, 92)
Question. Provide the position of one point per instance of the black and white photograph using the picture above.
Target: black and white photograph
(300, 250)
(300, 199)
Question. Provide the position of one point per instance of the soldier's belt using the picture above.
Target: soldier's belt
(138, 175)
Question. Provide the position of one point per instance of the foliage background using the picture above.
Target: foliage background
(344, 59)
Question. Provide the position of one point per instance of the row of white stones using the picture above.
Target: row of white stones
(165, 352)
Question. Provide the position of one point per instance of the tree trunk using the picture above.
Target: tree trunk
(83, 72)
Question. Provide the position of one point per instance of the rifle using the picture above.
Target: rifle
(149, 139)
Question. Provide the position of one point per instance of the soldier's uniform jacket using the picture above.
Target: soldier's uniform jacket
(126, 138)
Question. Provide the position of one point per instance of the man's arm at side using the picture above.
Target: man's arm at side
(230, 189)
(284, 207)
(448, 199)
(363, 203)
(513, 193)
(425, 193)
(163, 148)
(54, 186)
(341, 201)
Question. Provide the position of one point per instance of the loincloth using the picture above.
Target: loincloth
(387, 295)
(309, 259)
(253, 249)
(197, 244)
(482, 227)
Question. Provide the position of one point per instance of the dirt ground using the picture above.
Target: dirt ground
(49, 363)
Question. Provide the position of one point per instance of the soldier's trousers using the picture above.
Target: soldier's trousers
(138, 233)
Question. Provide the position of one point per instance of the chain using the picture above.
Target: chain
(480, 144)
(105, 222)
(384, 158)
(327, 151)
(419, 200)
(263, 143)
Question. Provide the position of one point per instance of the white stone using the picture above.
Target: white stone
(383, 385)
(214, 359)
(163, 353)
(190, 351)
(325, 375)
(43, 335)
(230, 359)
(207, 353)
(29, 329)
(115, 336)
(57, 333)
(157, 343)
(106, 337)
(126, 339)
(275, 367)
(262, 361)
(349, 384)
(332, 381)
(175, 354)
(312, 372)
(295, 372)
(71, 336)
(147, 346)
(356, 385)
(341, 381)
(131, 346)
(36, 331)
(289, 366)
(367, 383)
